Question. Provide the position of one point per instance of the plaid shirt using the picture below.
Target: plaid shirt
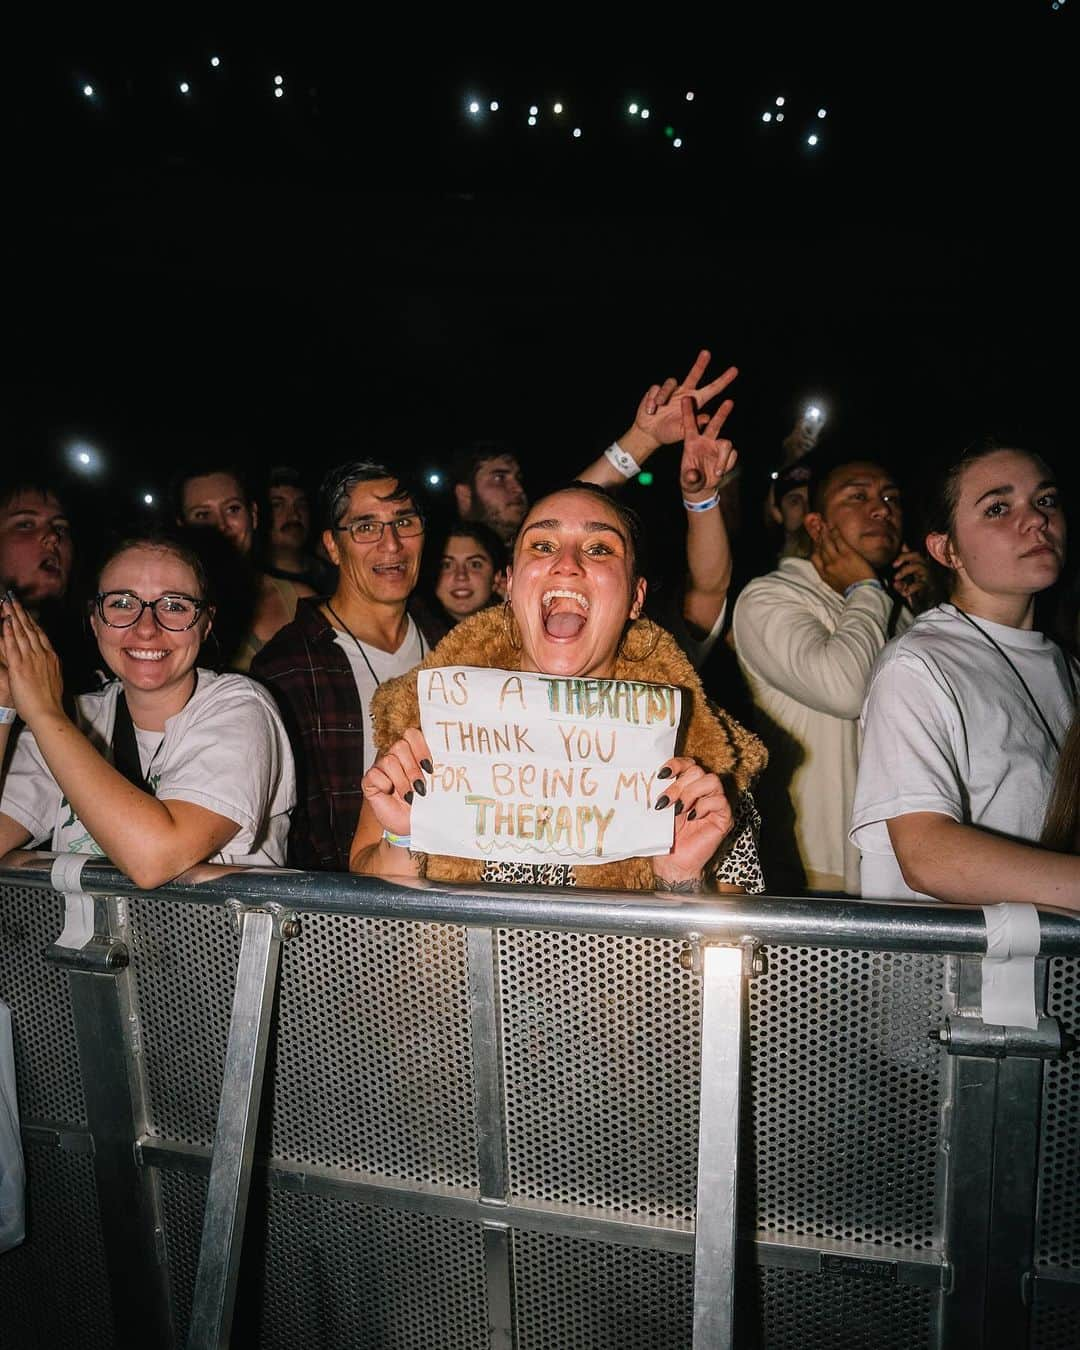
(310, 678)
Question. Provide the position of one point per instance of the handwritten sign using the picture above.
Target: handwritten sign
(543, 768)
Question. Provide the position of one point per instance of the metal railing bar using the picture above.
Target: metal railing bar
(866, 925)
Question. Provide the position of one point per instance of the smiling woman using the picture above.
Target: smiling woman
(169, 765)
(574, 606)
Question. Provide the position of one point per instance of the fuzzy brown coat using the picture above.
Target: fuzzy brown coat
(708, 734)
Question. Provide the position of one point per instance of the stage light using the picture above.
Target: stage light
(633, 110)
(215, 61)
(779, 117)
(532, 121)
(780, 102)
(775, 474)
(474, 107)
(577, 133)
(279, 93)
(814, 413)
(766, 117)
(493, 106)
(821, 112)
(556, 108)
(533, 110)
(434, 479)
(644, 113)
(645, 478)
(669, 132)
(84, 458)
(677, 142)
(278, 80)
(88, 90)
(185, 88)
(148, 498)
(689, 96)
(811, 140)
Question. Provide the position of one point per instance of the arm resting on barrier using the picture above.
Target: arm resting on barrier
(968, 866)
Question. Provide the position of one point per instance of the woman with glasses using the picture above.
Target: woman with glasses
(168, 765)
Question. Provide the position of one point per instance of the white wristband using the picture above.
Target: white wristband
(706, 505)
(626, 464)
(7, 715)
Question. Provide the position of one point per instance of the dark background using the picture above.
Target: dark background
(360, 268)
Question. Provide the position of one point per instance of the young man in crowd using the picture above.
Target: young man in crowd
(806, 636)
(36, 550)
(489, 488)
(288, 556)
(324, 666)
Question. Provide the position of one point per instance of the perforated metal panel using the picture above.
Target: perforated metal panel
(340, 1275)
(184, 966)
(46, 1060)
(53, 1291)
(846, 1094)
(601, 1050)
(577, 1295)
(373, 1068)
(800, 1309)
(183, 1203)
(1058, 1240)
(1055, 1328)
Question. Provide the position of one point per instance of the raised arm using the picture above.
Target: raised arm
(706, 459)
(658, 421)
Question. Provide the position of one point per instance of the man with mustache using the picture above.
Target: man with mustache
(806, 637)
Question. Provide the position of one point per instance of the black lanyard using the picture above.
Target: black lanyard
(1023, 683)
(125, 748)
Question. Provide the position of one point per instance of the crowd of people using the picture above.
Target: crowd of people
(905, 728)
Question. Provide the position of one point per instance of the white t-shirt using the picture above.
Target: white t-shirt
(226, 750)
(948, 728)
(386, 665)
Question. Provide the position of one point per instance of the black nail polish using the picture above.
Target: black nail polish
(665, 772)
(408, 797)
(691, 814)
(678, 807)
(427, 766)
(420, 787)
(661, 802)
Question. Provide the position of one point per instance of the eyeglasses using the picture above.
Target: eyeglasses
(123, 609)
(370, 530)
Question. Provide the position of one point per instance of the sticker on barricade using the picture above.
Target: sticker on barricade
(543, 768)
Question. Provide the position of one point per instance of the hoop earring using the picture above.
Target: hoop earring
(638, 640)
(513, 633)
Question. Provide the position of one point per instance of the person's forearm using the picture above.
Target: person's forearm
(968, 866)
(383, 859)
(136, 831)
(709, 566)
(603, 473)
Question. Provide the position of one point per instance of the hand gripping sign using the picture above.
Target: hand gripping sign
(543, 768)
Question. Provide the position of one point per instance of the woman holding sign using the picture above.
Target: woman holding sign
(573, 613)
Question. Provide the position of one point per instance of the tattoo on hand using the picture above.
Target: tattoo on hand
(690, 886)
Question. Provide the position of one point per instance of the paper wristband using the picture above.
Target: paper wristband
(1013, 938)
(706, 505)
(7, 715)
(626, 464)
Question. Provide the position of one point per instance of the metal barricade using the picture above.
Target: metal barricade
(287, 1109)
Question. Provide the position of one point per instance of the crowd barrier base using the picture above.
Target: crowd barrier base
(286, 1109)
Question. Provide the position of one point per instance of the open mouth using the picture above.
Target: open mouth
(565, 613)
(149, 654)
(50, 564)
(390, 570)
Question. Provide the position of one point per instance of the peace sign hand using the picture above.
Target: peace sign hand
(659, 416)
(706, 457)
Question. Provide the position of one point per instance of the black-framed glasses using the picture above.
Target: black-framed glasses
(370, 530)
(123, 609)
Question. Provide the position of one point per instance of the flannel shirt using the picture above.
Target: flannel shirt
(312, 682)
